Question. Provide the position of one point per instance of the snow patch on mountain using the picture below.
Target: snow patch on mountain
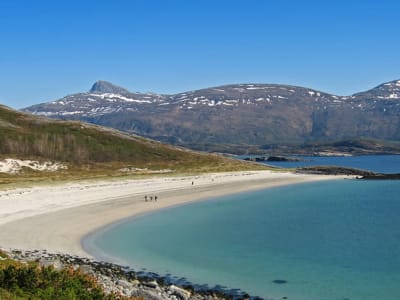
(113, 97)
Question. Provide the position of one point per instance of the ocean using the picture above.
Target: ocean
(328, 240)
(376, 163)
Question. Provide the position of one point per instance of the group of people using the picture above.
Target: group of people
(150, 198)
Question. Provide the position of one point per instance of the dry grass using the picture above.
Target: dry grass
(93, 152)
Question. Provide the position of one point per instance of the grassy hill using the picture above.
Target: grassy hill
(90, 148)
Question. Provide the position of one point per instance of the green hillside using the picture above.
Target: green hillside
(93, 148)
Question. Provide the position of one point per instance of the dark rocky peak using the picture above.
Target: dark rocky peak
(101, 86)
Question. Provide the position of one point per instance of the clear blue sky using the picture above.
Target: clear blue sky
(49, 49)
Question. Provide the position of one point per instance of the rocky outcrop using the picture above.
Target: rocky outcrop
(360, 174)
(256, 159)
(102, 86)
(380, 176)
(283, 158)
(334, 170)
(272, 158)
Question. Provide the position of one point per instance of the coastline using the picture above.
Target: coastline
(57, 218)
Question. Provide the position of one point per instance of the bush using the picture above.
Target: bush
(33, 282)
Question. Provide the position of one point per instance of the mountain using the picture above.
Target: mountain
(89, 147)
(238, 115)
(107, 87)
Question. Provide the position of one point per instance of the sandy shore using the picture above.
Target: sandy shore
(57, 217)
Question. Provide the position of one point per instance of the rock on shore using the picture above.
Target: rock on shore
(123, 281)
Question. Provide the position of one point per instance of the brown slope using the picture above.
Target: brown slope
(79, 144)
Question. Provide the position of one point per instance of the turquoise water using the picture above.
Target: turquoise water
(328, 240)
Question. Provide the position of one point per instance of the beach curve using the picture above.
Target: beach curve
(57, 218)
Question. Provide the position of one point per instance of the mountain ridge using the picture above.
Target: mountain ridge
(98, 85)
(239, 114)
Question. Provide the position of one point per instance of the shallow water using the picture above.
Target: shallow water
(325, 240)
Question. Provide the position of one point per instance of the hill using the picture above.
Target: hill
(87, 147)
(239, 115)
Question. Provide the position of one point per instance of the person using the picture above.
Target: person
(145, 198)
(151, 198)
(155, 198)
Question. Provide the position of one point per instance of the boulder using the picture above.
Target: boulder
(53, 262)
(124, 284)
(151, 284)
(180, 292)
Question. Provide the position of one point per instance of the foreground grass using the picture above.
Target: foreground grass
(30, 281)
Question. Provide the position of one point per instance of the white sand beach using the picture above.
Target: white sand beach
(57, 217)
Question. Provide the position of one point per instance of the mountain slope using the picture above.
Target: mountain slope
(81, 145)
(251, 114)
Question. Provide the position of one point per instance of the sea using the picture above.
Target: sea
(375, 163)
(333, 240)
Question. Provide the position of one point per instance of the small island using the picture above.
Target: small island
(273, 158)
(336, 170)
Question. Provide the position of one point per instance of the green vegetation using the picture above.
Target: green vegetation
(83, 145)
(94, 151)
(30, 281)
(73, 142)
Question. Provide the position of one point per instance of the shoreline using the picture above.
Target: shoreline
(58, 218)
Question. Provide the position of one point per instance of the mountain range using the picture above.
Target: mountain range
(237, 115)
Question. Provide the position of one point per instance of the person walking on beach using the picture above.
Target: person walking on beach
(145, 198)
(155, 198)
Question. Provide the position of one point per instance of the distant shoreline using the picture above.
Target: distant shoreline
(57, 218)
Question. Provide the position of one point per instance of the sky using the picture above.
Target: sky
(49, 49)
